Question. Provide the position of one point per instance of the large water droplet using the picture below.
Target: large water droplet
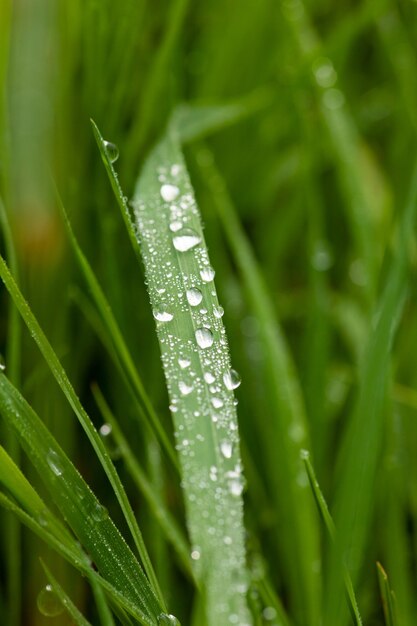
(49, 603)
(112, 151)
(231, 379)
(169, 192)
(99, 512)
(204, 337)
(54, 462)
(207, 274)
(226, 448)
(161, 315)
(186, 239)
(165, 619)
(194, 296)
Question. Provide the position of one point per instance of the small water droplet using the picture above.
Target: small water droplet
(269, 613)
(105, 430)
(49, 603)
(175, 169)
(165, 619)
(304, 454)
(2, 363)
(218, 311)
(204, 337)
(324, 72)
(186, 239)
(99, 512)
(175, 226)
(195, 555)
(226, 448)
(112, 151)
(207, 274)
(209, 378)
(169, 192)
(231, 379)
(184, 363)
(217, 402)
(194, 296)
(54, 462)
(162, 316)
(184, 388)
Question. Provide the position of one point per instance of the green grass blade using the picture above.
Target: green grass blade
(327, 518)
(65, 600)
(354, 501)
(86, 516)
(98, 445)
(117, 339)
(197, 370)
(387, 595)
(172, 531)
(285, 433)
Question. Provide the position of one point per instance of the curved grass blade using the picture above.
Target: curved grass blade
(200, 382)
(66, 602)
(98, 445)
(117, 339)
(285, 434)
(387, 595)
(164, 518)
(83, 512)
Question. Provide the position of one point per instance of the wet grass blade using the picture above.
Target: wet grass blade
(98, 445)
(83, 512)
(199, 378)
(387, 595)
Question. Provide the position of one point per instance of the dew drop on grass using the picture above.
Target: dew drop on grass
(99, 512)
(184, 363)
(161, 315)
(217, 402)
(186, 239)
(226, 448)
(207, 274)
(54, 462)
(194, 296)
(169, 192)
(112, 151)
(2, 363)
(105, 430)
(218, 311)
(209, 378)
(165, 619)
(195, 555)
(204, 337)
(185, 389)
(175, 226)
(231, 379)
(49, 603)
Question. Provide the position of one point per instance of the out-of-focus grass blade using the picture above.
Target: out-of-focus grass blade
(200, 381)
(98, 445)
(117, 339)
(285, 433)
(83, 512)
(387, 595)
(327, 518)
(168, 524)
(65, 600)
(354, 501)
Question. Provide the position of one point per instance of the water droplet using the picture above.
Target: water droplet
(207, 274)
(231, 379)
(99, 512)
(217, 402)
(333, 99)
(112, 151)
(209, 378)
(2, 363)
(184, 363)
(324, 72)
(269, 613)
(218, 311)
(304, 454)
(226, 448)
(186, 239)
(195, 555)
(105, 430)
(162, 316)
(169, 192)
(204, 337)
(175, 226)
(236, 486)
(165, 619)
(54, 462)
(49, 603)
(194, 296)
(184, 388)
(175, 169)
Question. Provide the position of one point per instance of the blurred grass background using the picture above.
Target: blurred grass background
(318, 171)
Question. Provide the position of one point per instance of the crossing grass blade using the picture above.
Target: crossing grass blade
(65, 600)
(387, 595)
(98, 445)
(87, 517)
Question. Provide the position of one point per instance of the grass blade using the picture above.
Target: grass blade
(387, 595)
(199, 379)
(98, 445)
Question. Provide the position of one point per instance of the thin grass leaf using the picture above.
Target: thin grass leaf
(387, 595)
(83, 512)
(116, 338)
(65, 600)
(285, 434)
(327, 518)
(98, 445)
(167, 522)
(354, 501)
(200, 381)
